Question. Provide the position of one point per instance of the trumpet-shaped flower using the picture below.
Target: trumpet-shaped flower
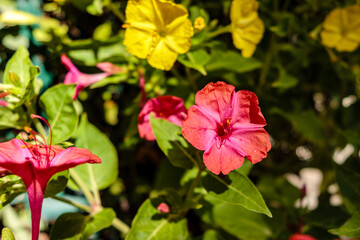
(341, 29)
(157, 30)
(246, 27)
(36, 164)
(84, 80)
(166, 107)
(228, 125)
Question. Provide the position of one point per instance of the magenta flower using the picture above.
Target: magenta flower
(84, 80)
(228, 125)
(300, 236)
(163, 208)
(166, 107)
(2, 102)
(36, 164)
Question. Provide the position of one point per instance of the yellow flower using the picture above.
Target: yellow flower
(199, 23)
(157, 30)
(341, 29)
(246, 27)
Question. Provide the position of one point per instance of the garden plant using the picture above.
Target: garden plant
(180, 119)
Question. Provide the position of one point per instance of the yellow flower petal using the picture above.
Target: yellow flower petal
(138, 41)
(330, 39)
(243, 11)
(162, 57)
(141, 11)
(179, 34)
(346, 45)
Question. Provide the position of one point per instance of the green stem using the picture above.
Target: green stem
(82, 186)
(221, 30)
(121, 226)
(193, 185)
(94, 186)
(117, 12)
(267, 62)
(75, 204)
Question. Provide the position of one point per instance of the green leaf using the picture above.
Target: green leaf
(171, 142)
(285, 80)
(232, 61)
(104, 174)
(195, 59)
(240, 222)
(350, 229)
(349, 184)
(6, 234)
(305, 122)
(10, 187)
(210, 235)
(237, 189)
(24, 73)
(59, 108)
(76, 226)
(57, 183)
(13, 118)
(150, 224)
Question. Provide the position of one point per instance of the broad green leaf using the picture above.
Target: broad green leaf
(57, 183)
(232, 61)
(6, 234)
(150, 224)
(195, 59)
(237, 189)
(240, 222)
(76, 226)
(169, 138)
(210, 235)
(13, 118)
(24, 73)
(305, 122)
(350, 229)
(349, 184)
(60, 111)
(10, 187)
(105, 173)
(103, 32)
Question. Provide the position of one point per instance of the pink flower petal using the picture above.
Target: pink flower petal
(109, 68)
(72, 157)
(246, 109)
(221, 157)
(13, 154)
(215, 98)
(199, 128)
(69, 65)
(300, 236)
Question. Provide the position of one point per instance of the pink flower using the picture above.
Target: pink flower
(228, 125)
(84, 80)
(36, 164)
(2, 102)
(163, 208)
(300, 236)
(166, 107)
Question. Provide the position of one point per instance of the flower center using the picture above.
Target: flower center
(224, 128)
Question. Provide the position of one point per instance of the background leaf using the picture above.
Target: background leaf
(104, 174)
(60, 111)
(150, 224)
(350, 229)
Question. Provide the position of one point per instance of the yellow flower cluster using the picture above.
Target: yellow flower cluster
(246, 27)
(341, 29)
(157, 30)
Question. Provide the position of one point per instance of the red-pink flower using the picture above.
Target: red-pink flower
(163, 208)
(84, 80)
(166, 107)
(300, 236)
(228, 125)
(36, 164)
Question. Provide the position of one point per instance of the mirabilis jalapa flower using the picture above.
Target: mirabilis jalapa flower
(166, 107)
(84, 80)
(228, 125)
(157, 30)
(246, 27)
(36, 164)
(341, 29)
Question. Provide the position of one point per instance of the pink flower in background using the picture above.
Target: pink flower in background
(299, 236)
(228, 125)
(163, 208)
(166, 107)
(36, 164)
(84, 80)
